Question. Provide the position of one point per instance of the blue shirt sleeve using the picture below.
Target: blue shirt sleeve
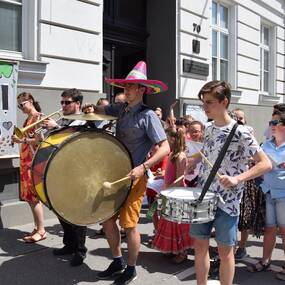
(114, 109)
(154, 128)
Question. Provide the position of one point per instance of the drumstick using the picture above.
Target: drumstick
(177, 179)
(110, 184)
(205, 158)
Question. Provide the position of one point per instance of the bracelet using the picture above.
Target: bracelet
(145, 169)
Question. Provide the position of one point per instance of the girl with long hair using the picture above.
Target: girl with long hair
(28, 105)
(172, 238)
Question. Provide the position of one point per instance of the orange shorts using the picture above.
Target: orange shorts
(129, 214)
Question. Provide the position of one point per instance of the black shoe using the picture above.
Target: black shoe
(114, 268)
(62, 251)
(214, 270)
(241, 254)
(125, 278)
(77, 259)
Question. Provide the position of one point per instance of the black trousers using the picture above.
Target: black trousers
(74, 237)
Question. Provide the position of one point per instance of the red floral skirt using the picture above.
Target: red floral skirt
(172, 237)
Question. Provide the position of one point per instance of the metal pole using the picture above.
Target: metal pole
(113, 72)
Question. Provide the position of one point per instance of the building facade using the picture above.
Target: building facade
(60, 44)
(242, 42)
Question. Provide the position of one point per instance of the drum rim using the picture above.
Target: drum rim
(57, 150)
(213, 194)
(33, 163)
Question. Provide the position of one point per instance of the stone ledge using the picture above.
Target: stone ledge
(265, 99)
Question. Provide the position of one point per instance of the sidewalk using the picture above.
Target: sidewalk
(22, 263)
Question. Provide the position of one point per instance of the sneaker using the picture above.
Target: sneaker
(240, 254)
(114, 268)
(125, 278)
(77, 259)
(62, 251)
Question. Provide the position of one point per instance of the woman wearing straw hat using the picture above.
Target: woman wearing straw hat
(139, 128)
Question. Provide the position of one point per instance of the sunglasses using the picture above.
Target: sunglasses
(22, 104)
(274, 122)
(66, 102)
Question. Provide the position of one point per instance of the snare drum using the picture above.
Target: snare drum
(42, 155)
(176, 205)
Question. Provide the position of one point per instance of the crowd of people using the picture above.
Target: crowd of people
(176, 152)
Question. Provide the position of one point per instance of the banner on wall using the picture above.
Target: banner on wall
(8, 105)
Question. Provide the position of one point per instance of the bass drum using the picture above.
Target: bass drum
(75, 174)
(41, 157)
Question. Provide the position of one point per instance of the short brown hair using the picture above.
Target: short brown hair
(219, 89)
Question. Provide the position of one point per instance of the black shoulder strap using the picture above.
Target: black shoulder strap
(217, 164)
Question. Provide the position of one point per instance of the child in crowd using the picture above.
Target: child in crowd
(171, 237)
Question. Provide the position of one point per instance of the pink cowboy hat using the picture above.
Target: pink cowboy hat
(138, 75)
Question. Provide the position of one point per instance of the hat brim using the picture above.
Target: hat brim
(153, 86)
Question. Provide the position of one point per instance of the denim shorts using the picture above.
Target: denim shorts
(225, 225)
(275, 211)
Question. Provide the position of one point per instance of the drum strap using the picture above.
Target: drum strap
(216, 165)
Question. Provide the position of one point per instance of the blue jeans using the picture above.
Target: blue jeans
(275, 211)
(225, 225)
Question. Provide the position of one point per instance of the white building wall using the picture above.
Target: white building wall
(246, 17)
(191, 12)
(71, 43)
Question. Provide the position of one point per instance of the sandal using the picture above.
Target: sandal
(28, 236)
(179, 258)
(258, 267)
(281, 275)
(34, 238)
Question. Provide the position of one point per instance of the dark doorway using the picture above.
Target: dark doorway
(124, 39)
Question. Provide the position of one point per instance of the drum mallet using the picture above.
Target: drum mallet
(108, 185)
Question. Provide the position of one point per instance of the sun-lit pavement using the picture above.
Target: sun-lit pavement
(34, 263)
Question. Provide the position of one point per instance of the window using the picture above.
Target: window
(220, 42)
(264, 58)
(11, 25)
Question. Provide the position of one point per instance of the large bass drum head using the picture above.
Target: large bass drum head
(75, 175)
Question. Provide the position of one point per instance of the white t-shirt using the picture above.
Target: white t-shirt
(242, 147)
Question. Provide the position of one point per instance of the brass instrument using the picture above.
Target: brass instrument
(19, 132)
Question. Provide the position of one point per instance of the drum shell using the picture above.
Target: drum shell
(75, 174)
(176, 208)
(43, 154)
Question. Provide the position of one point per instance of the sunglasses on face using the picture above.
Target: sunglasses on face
(274, 122)
(22, 104)
(66, 102)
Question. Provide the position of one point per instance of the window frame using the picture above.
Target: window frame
(270, 48)
(29, 32)
(225, 31)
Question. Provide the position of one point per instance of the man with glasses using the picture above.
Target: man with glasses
(74, 236)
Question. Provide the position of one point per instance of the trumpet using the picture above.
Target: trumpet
(19, 132)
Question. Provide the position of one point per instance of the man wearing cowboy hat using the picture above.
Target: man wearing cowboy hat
(139, 128)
